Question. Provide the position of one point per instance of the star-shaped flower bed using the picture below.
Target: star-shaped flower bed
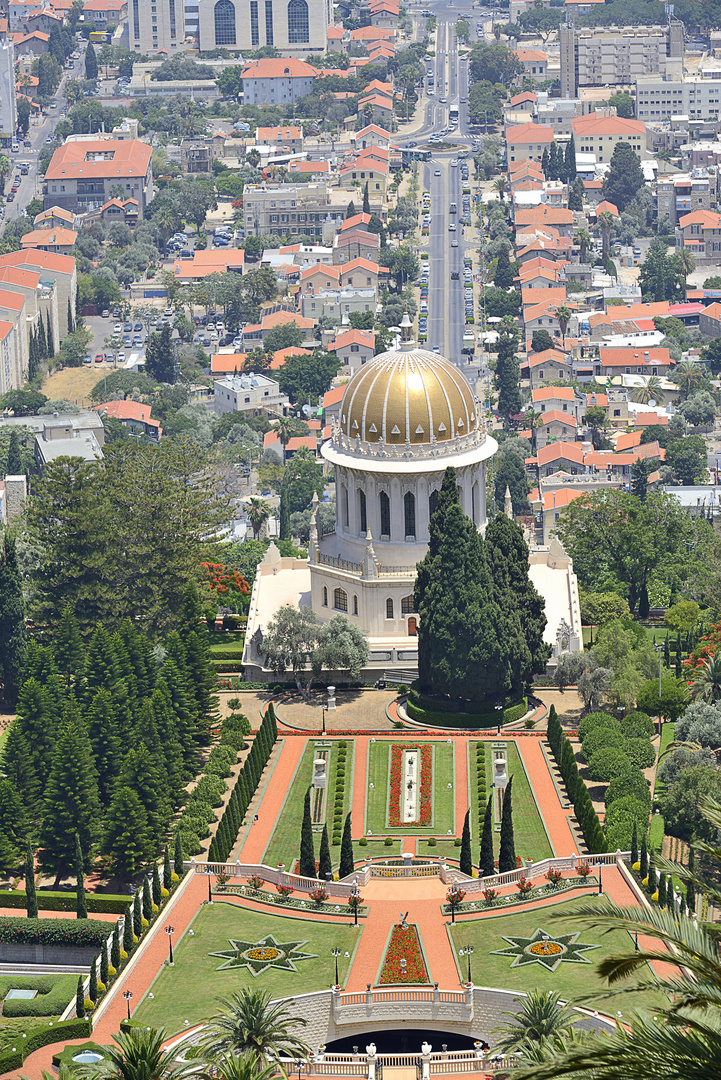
(548, 950)
(264, 955)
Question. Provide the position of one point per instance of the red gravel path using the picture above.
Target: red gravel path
(358, 819)
(271, 803)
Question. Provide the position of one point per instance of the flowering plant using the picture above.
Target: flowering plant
(221, 579)
(255, 882)
(524, 886)
(319, 895)
(403, 945)
(424, 793)
(554, 876)
(583, 870)
(489, 895)
(455, 896)
(284, 891)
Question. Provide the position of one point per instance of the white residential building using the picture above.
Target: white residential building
(8, 97)
(156, 26)
(256, 395)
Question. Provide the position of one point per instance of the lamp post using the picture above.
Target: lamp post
(600, 882)
(499, 709)
(335, 951)
(128, 998)
(469, 953)
(323, 732)
(299, 1067)
(170, 930)
(210, 891)
(356, 900)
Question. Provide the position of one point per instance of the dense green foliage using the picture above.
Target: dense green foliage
(577, 791)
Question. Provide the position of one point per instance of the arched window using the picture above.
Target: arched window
(224, 22)
(389, 608)
(432, 503)
(363, 514)
(385, 505)
(355, 605)
(298, 32)
(407, 607)
(409, 506)
(325, 596)
(340, 600)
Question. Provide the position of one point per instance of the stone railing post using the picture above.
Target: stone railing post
(369, 996)
(436, 994)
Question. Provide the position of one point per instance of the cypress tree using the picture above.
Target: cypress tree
(13, 635)
(128, 942)
(643, 858)
(662, 891)
(156, 885)
(366, 200)
(71, 323)
(115, 943)
(507, 849)
(80, 999)
(486, 863)
(666, 652)
(652, 881)
(466, 860)
(284, 510)
(347, 860)
(178, 855)
(81, 908)
(306, 866)
(137, 914)
(93, 987)
(49, 335)
(31, 900)
(544, 163)
(454, 598)
(147, 899)
(690, 887)
(570, 161)
(42, 341)
(503, 277)
(325, 866)
(104, 973)
(634, 845)
(15, 460)
(167, 869)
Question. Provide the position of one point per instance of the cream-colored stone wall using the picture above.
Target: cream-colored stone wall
(246, 22)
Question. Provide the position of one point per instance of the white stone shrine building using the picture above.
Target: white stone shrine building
(405, 417)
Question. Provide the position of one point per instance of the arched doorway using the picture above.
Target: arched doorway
(412, 627)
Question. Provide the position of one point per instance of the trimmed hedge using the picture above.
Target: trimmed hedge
(632, 783)
(600, 738)
(593, 721)
(101, 903)
(640, 752)
(437, 718)
(223, 666)
(577, 791)
(607, 763)
(54, 993)
(65, 933)
(60, 1032)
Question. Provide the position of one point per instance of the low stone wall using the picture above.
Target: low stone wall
(13, 953)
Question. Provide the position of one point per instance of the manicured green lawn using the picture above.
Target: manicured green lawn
(444, 849)
(284, 845)
(571, 980)
(470, 765)
(57, 992)
(529, 833)
(378, 849)
(192, 988)
(377, 796)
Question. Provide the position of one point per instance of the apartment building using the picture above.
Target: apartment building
(700, 233)
(335, 304)
(105, 13)
(286, 208)
(156, 27)
(677, 195)
(694, 96)
(599, 132)
(535, 64)
(527, 142)
(56, 270)
(294, 27)
(85, 173)
(276, 82)
(612, 55)
(256, 395)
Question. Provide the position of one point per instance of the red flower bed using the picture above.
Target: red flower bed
(396, 781)
(403, 945)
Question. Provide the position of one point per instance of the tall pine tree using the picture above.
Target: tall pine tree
(507, 850)
(81, 907)
(31, 899)
(325, 866)
(71, 800)
(13, 635)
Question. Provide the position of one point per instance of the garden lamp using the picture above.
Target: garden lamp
(128, 998)
(170, 930)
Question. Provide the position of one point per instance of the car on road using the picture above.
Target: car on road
(436, 348)
(138, 326)
(138, 339)
(454, 243)
(105, 314)
(118, 328)
(443, 101)
(121, 357)
(168, 311)
(454, 163)
(87, 359)
(98, 358)
(437, 172)
(128, 327)
(412, 144)
(127, 340)
(452, 227)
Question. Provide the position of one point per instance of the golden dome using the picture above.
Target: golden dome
(411, 396)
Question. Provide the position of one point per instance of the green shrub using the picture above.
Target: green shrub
(632, 783)
(68, 933)
(457, 842)
(363, 842)
(218, 768)
(636, 720)
(191, 844)
(640, 752)
(236, 722)
(234, 739)
(98, 903)
(209, 789)
(601, 736)
(431, 841)
(620, 819)
(201, 810)
(388, 841)
(607, 763)
(197, 826)
(54, 993)
(593, 721)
